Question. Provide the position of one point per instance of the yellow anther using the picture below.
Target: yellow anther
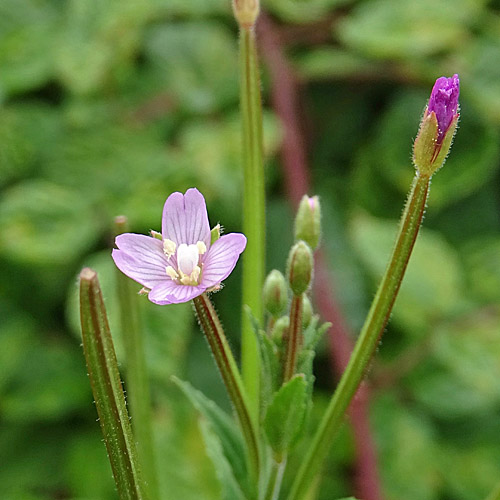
(202, 248)
(172, 272)
(169, 247)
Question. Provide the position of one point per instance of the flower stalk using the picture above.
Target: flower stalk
(368, 339)
(139, 396)
(293, 339)
(214, 333)
(253, 205)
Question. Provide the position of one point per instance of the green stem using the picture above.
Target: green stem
(274, 484)
(293, 340)
(368, 339)
(107, 389)
(226, 363)
(253, 210)
(138, 390)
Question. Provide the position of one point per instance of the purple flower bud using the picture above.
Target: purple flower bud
(444, 103)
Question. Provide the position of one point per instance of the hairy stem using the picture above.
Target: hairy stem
(212, 328)
(368, 339)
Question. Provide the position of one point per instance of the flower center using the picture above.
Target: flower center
(189, 263)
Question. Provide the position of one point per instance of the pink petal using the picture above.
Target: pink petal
(222, 258)
(141, 258)
(185, 218)
(170, 292)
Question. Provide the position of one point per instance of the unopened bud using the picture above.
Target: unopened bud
(307, 311)
(308, 221)
(275, 293)
(438, 126)
(280, 329)
(300, 267)
(246, 12)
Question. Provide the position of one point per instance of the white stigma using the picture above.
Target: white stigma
(189, 264)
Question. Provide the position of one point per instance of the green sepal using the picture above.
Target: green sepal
(215, 234)
(225, 429)
(425, 144)
(285, 415)
(428, 155)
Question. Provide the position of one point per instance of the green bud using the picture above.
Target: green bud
(307, 311)
(308, 221)
(280, 329)
(275, 293)
(428, 154)
(300, 267)
(215, 234)
(246, 12)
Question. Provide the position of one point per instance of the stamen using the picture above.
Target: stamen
(172, 272)
(202, 248)
(169, 247)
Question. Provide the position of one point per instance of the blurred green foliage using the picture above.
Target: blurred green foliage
(107, 107)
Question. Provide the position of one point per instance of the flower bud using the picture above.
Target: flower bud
(307, 311)
(280, 329)
(275, 293)
(300, 267)
(308, 221)
(246, 12)
(438, 126)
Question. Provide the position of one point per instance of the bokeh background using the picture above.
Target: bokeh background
(106, 107)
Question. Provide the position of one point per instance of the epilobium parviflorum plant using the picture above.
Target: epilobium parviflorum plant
(271, 390)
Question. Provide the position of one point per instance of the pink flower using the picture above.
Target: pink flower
(444, 103)
(181, 263)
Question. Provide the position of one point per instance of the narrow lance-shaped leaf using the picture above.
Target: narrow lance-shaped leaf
(107, 389)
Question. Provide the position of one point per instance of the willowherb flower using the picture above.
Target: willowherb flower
(180, 263)
(438, 126)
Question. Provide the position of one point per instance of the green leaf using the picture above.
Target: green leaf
(230, 488)
(299, 11)
(197, 62)
(459, 377)
(390, 29)
(284, 419)
(107, 389)
(27, 42)
(225, 429)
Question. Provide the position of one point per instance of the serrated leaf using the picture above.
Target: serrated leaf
(284, 419)
(225, 429)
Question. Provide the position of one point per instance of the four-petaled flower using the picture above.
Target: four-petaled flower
(180, 263)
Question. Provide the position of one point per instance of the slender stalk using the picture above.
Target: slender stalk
(107, 389)
(274, 484)
(226, 363)
(138, 390)
(368, 339)
(293, 341)
(253, 210)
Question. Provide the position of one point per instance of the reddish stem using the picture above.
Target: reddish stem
(285, 101)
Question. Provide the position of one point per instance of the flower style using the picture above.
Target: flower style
(180, 263)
